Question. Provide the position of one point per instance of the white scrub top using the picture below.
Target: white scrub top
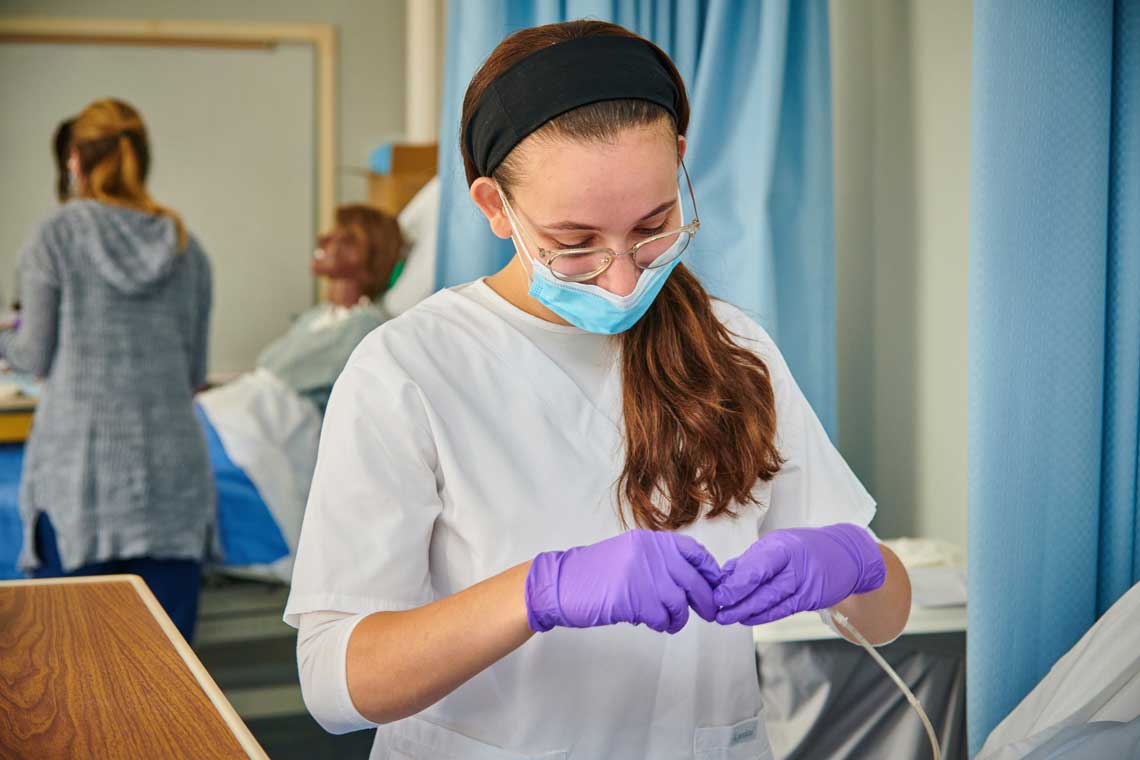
(455, 448)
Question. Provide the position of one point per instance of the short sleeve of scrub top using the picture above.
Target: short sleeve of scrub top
(815, 486)
(374, 496)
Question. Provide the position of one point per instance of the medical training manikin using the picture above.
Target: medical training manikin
(269, 420)
(359, 258)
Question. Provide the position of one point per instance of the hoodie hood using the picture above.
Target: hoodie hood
(132, 250)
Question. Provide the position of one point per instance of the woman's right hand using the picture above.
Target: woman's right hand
(643, 576)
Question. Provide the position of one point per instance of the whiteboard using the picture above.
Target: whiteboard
(232, 150)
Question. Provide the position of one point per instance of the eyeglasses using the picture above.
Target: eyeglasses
(656, 251)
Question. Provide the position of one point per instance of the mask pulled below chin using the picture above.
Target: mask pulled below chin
(595, 309)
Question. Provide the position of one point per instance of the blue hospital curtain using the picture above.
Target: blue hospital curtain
(759, 155)
(1054, 336)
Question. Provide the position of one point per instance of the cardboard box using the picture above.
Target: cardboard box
(413, 166)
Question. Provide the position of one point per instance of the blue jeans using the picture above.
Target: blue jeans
(174, 582)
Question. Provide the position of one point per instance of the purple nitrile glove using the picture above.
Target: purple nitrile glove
(798, 569)
(642, 576)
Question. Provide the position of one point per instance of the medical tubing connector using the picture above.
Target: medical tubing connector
(842, 620)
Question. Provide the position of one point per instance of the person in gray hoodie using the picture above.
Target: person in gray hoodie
(116, 299)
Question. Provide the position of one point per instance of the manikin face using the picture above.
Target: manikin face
(342, 253)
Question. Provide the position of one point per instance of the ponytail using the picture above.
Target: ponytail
(114, 155)
(700, 413)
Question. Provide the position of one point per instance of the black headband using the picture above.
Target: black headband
(559, 78)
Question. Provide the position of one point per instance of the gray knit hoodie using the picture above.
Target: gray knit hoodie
(116, 319)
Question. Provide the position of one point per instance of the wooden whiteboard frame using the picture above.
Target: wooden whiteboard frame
(218, 34)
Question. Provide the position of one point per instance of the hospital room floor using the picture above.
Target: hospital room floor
(251, 654)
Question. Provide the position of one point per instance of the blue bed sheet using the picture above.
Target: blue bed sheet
(11, 527)
(249, 534)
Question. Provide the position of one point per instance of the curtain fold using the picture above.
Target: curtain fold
(1054, 336)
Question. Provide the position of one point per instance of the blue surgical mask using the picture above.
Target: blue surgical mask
(589, 307)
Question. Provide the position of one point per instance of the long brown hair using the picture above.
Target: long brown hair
(114, 156)
(700, 415)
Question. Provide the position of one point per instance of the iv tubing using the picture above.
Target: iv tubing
(842, 620)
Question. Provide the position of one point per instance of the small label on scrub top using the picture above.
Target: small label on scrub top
(744, 732)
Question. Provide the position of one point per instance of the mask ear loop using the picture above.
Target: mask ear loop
(521, 251)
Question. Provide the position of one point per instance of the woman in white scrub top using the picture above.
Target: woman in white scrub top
(550, 504)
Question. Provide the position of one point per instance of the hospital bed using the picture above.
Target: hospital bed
(1088, 706)
(249, 535)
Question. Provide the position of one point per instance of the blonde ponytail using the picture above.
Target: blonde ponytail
(114, 155)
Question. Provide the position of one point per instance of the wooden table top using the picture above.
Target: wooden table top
(93, 667)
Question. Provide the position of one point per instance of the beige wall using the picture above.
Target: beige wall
(243, 186)
(901, 89)
(371, 36)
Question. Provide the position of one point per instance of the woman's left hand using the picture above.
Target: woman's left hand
(798, 569)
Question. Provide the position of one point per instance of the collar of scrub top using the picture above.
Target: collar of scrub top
(560, 78)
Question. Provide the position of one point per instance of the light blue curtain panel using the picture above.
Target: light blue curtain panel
(759, 155)
(1054, 336)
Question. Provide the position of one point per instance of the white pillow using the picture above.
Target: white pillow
(419, 223)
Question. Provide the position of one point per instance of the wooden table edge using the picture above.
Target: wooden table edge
(236, 725)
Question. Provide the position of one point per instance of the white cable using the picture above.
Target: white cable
(842, 620)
